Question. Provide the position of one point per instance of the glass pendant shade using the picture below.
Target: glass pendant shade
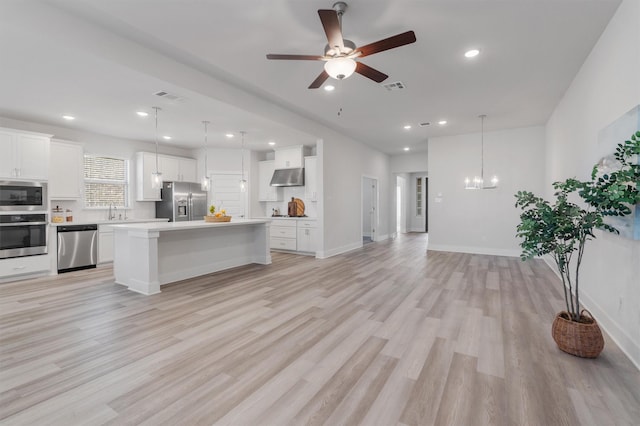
(205, 183)
(340, 68)
(243, 185)
(156, 180)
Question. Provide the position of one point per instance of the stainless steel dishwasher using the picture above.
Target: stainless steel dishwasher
(77, 247)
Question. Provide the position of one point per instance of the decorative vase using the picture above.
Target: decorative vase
(580, 338)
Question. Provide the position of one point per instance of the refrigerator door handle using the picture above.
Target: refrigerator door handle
(190, 198)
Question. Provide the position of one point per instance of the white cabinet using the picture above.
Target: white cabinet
(177, 169)
(266, 192)
(307, 236)
(65, 171)
(105, 244)
(283, 234)
(289, 158)
(25, 155)
(173, 169)
(145, 165)
(310, 178)
(24, 266)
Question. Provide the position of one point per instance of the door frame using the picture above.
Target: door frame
(375, 217)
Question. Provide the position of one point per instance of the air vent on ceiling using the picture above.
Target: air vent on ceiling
(425, 124)
(169, 96)
(394, 86)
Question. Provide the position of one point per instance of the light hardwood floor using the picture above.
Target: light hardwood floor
(386, 335)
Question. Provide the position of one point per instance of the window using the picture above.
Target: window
(419, 196)
(106, 182)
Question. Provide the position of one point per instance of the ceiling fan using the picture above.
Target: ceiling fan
(340, 54)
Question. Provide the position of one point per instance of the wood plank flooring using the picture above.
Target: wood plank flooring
(386, 335)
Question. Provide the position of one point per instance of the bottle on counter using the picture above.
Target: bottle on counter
(57, 215)
(69, 215)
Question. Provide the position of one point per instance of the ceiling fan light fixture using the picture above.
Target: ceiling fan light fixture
(340, 68)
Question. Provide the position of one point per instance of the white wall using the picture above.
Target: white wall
(409, 162)
(607, 86)
(93, 143)
(367, 204)
(343, 163)
(481, 221)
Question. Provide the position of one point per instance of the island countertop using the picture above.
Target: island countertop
(181, 226)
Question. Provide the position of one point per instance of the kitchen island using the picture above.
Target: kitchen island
(148, 255)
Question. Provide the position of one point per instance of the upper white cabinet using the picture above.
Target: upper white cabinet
(25, 155)
(266, 192)
(311, 178)
(145, 165)
(289, 158)
(65, 170)
(173, 169)
(177, 169)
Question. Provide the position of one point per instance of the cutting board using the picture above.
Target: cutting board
(299, 207)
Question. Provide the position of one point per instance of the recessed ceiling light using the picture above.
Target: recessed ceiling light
(68, 117)
(407, 126)
(142, 113)
(166, 137)
(272, 143)
(329, 88)
(406, 148)
(229, 135)
(471, 53)
(442, 122)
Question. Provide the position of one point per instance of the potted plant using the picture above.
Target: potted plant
(562, 229)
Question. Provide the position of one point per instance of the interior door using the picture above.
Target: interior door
(226, 194)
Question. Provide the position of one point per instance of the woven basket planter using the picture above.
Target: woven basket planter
(583, 338)
(217, 219)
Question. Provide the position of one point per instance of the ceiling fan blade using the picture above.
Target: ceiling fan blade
(371, 73)
(319, 80)
(295, 57)
(387, 43)
(331, 25)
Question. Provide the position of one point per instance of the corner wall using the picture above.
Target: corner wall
(481, 221)
(607, 86)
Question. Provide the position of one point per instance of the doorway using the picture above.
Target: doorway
(369, 209)
(226, 194)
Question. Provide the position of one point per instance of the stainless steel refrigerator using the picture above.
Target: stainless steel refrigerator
(182, 201)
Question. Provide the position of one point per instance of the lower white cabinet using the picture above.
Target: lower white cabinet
(105, 244)
(283, 234)
(307, 236)
(24, 266)
(294, 235)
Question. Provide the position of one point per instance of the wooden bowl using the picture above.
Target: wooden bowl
(217, 219)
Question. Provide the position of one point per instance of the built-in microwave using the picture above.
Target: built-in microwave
(23, 196)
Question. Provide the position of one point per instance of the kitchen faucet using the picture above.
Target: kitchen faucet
(112, 216)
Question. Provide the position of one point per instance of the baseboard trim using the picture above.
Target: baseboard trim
(474, 250)
(338, 250)
(626, 344)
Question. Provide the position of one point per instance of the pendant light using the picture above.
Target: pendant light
(478, 181)
(156, 177)
(243, 182)
(206, 181)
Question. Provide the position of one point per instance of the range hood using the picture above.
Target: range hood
(288, 177)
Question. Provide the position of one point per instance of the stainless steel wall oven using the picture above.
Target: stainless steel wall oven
(23, 234)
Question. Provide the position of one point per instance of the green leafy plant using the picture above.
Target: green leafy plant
(563, 227)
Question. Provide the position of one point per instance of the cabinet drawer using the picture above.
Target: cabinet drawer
(283, 243)
(283, 231)
(283, 222)
(307, 224)
(24, 265)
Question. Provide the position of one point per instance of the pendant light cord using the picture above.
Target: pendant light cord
(156, 109)
(482, 117)
(206, 144)
(242, 153)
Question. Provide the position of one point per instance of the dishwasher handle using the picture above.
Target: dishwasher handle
(76, 228)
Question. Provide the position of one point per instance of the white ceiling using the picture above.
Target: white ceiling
(530, 52)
